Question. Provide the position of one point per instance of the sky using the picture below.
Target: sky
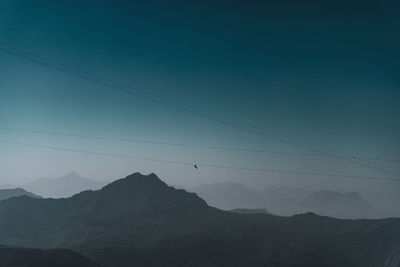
(324, 73)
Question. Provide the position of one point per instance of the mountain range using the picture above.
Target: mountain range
(287, 201)
(62, 187)
(340, 205)
(15, 192)
(141, 221)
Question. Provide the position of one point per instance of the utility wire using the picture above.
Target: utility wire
(203, 165)
(224, 148)
(186, 107)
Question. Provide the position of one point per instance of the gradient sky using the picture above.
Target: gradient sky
(326, 73)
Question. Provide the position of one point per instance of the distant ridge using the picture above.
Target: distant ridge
(288, 201)
(340, 205)
(62, 187)
(15, 192)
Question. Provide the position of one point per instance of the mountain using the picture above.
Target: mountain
(288, 201)
(228, 196)
(383, 201)
(8, 193)
(273, 194)
(65, 186)
(332, 204)
(340, 205)
(7, 186)
(141, 221)
(13, 257)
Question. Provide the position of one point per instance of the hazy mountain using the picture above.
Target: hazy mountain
(7, 193)
(65, 186)
(273, 193)
(141, 221)
(383, 201)
(24, 257)
(228, 196)
(329, 203)
(7, 186)
(340, 205)
(288, 201)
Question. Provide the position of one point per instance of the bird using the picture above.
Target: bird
(195, 166)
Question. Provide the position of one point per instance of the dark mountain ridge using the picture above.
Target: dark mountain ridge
(141, 221)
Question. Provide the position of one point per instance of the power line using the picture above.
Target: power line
(205, 165)
(237, 149)
(187, 108)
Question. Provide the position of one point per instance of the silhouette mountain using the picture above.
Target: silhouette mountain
(141, 221)
(15, 192)
(13, 257)
(65, 186)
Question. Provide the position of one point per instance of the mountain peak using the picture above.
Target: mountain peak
(149, 188)
(137, 181)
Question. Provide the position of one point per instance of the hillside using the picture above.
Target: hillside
(65, 186)
(141, 221)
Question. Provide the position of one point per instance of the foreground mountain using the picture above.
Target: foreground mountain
(141, 221)
(13, 257)
(15, 192)
(65, 186)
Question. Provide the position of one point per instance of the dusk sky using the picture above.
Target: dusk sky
(327, 74)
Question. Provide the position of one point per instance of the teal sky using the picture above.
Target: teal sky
(324, 73)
